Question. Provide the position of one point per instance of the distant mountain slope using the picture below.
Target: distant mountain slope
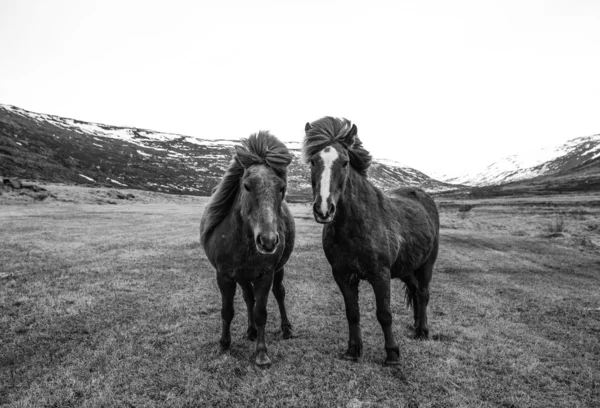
(52, 148)
(549, 161)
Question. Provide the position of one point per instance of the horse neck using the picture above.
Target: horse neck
(358, 195)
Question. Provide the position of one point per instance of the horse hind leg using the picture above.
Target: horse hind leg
(249, 299)
(227, 287)
(423, 276)
(279, 293)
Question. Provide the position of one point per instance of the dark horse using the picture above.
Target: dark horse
(247, 232)
(367, 234)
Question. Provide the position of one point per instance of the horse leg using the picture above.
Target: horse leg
(412, 300)
(381, 287)
(350, 293)
(262, 286)
(227, 287)
(249, 299)
(423, 276)
(279, 293)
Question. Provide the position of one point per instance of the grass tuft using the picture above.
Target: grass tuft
(556, 226)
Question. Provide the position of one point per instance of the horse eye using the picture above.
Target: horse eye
(345, 164)
(246, 187)
(312, 162)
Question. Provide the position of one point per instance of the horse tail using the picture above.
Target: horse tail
(408, 297)
(410, 287)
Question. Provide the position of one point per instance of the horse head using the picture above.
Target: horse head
(262, 189)
(261, 197)
(329, 170)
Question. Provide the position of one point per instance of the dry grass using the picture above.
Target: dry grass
(117, 306)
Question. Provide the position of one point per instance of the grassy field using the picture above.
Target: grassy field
(117, 306)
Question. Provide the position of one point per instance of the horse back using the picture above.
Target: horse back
(420, 223)
(417, 194)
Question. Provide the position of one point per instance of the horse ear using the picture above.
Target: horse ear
(349, 139)
(307, 127)
(239, 152)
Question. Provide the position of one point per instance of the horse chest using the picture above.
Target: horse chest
(239, 259)
(354, 255)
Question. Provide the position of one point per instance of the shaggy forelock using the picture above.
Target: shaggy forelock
(324, 132)
(328, 131)
(264, 148)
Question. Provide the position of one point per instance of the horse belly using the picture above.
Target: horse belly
(411, 258)
(355, 262)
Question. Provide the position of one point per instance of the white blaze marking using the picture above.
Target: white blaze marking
(328, 157)
(270, 215)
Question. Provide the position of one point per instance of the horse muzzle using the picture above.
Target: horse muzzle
(267, 244)
(324, 218)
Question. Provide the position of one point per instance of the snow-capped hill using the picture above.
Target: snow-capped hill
(533, 163)
(132, 135)
(53, 148)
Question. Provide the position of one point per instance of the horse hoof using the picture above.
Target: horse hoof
(349, 357)
(392, 356)
(353, 353)
(262, 360)
(251, 333)
(287, 333)
(422, 334)
(392, 359)
(223, 347)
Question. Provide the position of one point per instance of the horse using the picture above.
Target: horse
(369, 235)
(248, 232)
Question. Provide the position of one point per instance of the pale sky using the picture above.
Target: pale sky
(441, 86)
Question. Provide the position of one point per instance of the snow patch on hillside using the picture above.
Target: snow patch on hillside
(116, 182)
(529, 163)
(392, 163)
(86, 177)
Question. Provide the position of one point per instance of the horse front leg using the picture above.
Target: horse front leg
(249, 299)
(227, 287)
(381, 287)
(350, 293)
(262, 286)
(279, 293)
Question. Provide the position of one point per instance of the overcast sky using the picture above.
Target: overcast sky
(442, 86)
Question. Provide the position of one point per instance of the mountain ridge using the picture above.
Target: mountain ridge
(53, 148)
(532, 163)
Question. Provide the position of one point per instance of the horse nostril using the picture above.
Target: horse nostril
(331, 209)
(267, 242)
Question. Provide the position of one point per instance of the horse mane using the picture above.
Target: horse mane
(259, 148)
(329, 130)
